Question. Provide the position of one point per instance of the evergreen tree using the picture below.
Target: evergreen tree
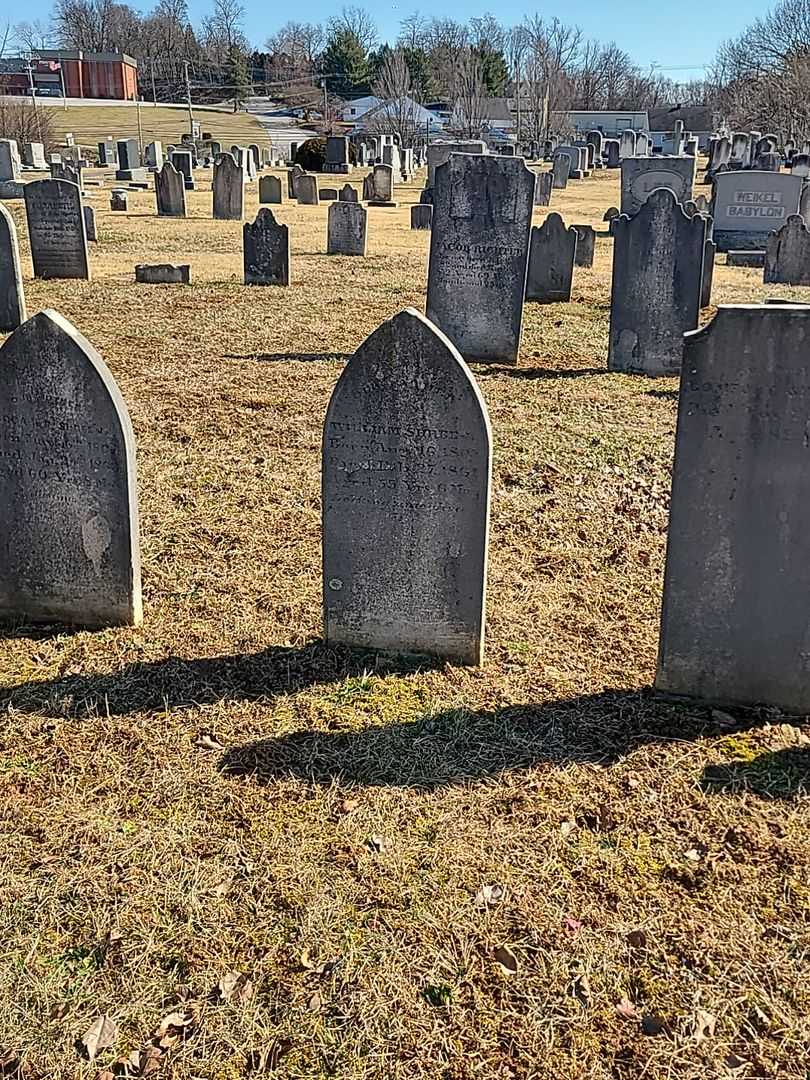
(345, 65)
(237, 77)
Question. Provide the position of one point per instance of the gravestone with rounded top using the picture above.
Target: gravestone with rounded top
(479, 248)
(346, 229)
(266, 248)
(269, 189)
(68, 503)
(551, 261)
(56, 229)
(748, 205)
(12, 297)
(736, 613)
(640, 176)
(655, 293)
(382, 186)
(787, 254)
(421, 216)
(229, 189)
(170, 191)
(407, 453)
(306, 190)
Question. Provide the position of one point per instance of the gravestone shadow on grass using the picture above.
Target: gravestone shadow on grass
(779, 774)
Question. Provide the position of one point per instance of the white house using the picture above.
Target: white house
(372, 114)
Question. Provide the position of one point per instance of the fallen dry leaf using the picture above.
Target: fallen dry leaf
(489, 894)
(627, 1010)
(315, 1002)
(581, 989)
(506, 960)
(235, 987)
(568, 827)
(349, 804)
(734, 1062)
(637, 939)
(703, 1025)
(206, 741)
(101, 1034)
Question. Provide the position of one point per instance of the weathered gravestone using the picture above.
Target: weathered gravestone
(327, 194)
(614, 159)
(560, 168)
(68, 503)
(306, 190)
(257, 157)
(56, 229)
(801, 165)
(119, 199)
(381, 180)
(10, 168)
(269, 189)
(153, 155)
(292, 177)
(655, 293)
(266, 246)
(586, 245)
(438, 153)
(90, 223)
(627, 144)
(183, 161)
(170, 192)
(748, 205)
(407, 453)
(163, 273)
(348, 194)
(542, 188)
(736, 614)
(551, 261)
(640, 176)
(229, 189)
(747, 257)
(596, 139)
(768, 162)
(12, 297)
(346, 229)
(337, 154)
(787, 254)
(709, 252)
(33, 155)
(478, 254)
(421, 216)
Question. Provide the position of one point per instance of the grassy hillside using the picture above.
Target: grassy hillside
(92, 123)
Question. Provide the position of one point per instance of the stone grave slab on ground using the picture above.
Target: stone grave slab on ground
(407, 453)
(68, 502)
(478, 254)
(163, 273)
(736, 613)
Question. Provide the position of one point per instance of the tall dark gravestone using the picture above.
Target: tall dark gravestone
(542, 188)
(551, 261)
(56, 229)
(228, 186)
(479, 245)
(266, 250)
(346, 229)
(787, 254)
(170, 191)
(655, 293)
(407, 459)
(12, 297)
(736, 614)
(68, 501)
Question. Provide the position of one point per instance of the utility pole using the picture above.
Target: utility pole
(188, 99)
(140, 128)
(33, 95)
(325, 109)
(62, 84)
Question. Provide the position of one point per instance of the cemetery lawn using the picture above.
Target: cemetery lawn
(531, 870)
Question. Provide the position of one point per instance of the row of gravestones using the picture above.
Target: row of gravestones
(406, 482)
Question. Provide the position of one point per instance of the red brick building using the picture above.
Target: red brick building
(112, 76)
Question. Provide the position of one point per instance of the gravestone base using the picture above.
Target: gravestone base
(140, 176)
(336, 167)
(373, 202)
(748, 257)
(163, 273)
(728, 240)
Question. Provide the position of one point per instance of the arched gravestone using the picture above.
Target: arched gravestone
(56, 229)
(68, 501)
(266, 246)
(170, 192)
(640, 176)
(12, 297)
(479, 246)
(787, 254)
(269, 189)
(655, 292)
(346, 229)
(736, 614)
(229, 189)
(551, 261)
(407, 458)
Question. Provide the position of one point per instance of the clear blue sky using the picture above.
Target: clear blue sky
(673, 35)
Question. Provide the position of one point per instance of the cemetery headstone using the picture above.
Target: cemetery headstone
(10, 166)
(655, 294)
(709, 252)
(382, 186)
(753, 260)
(327, 194)
(306, 190)
(407, 453)
(170, 192)
(163, 273)
(90, 222)
(542, 188)
(153, 155)
(184, 163)
(67, 482)
(56, 229)
(119, 199)
(33, 155)
(346, 229)
(337, 154)
(614, 159)
(478, 254)
(749, 204)
(640, 176)
(627, 144)
(787, 254)
(229, 189)
(438, 153)
(586, 245)
(12, 297)
(292, 176)
(421, 216)
(551, 261)
(269, 189)
(266, 246)
(348, 194)
(560, 168)
(734, 624)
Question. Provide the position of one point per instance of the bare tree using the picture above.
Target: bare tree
(356, 21)
(412, 31)
(32, 36)
(469, 95)
(398, 114)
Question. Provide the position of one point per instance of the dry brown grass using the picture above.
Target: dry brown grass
(91, 124)
(645, 851)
